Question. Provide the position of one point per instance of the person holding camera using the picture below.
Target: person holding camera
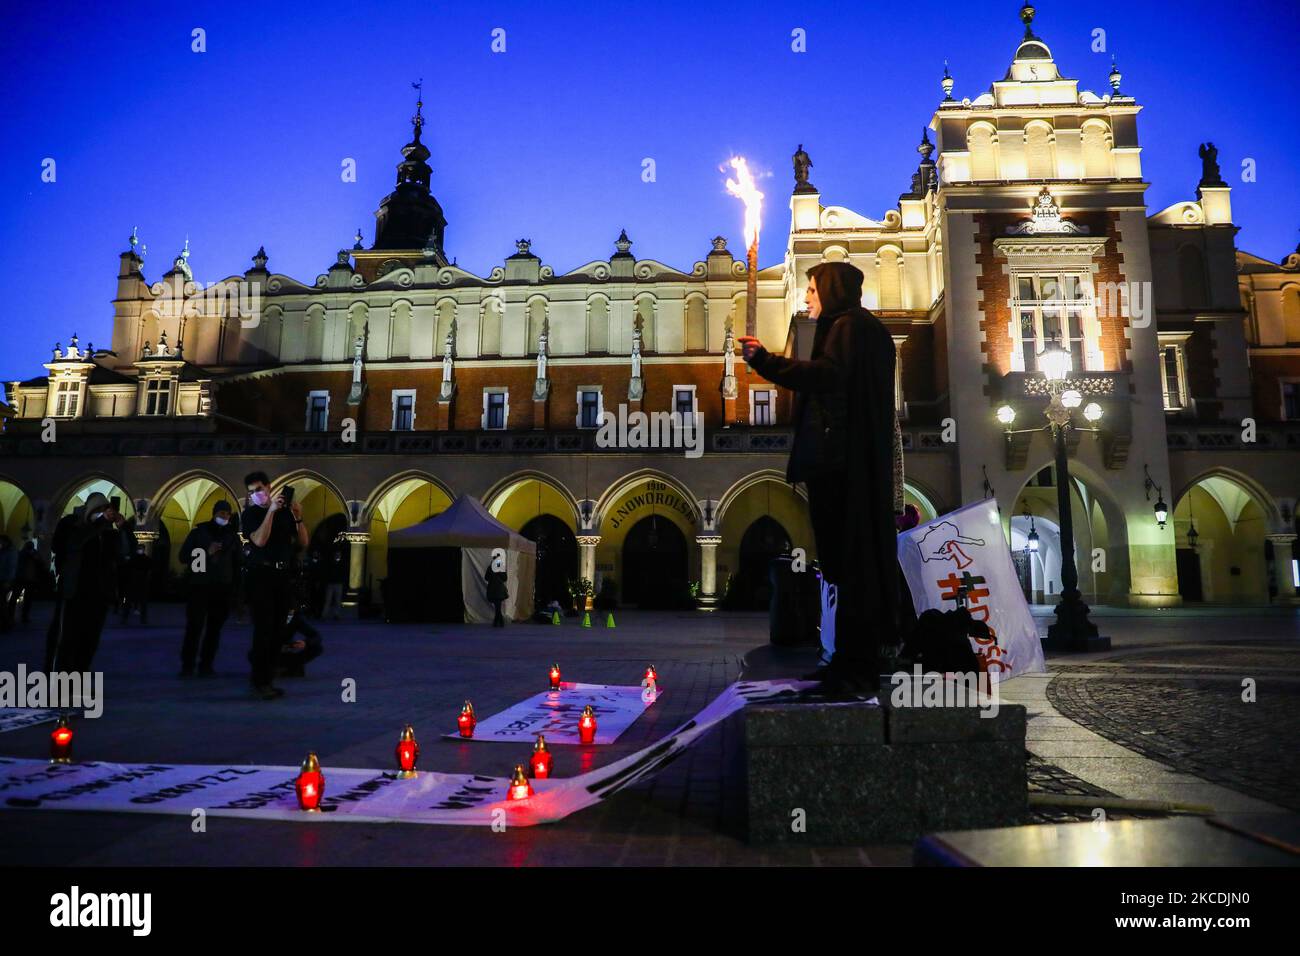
(273, 527)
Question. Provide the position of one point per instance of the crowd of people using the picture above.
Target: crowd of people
(256, 561)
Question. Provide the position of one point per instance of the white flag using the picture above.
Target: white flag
(966, 547)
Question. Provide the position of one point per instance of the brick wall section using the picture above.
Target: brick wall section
(995, 283)
(278, 402)
(1266, 373)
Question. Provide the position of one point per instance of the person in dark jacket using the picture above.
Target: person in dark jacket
(210, 556)
(8, 580)
(844, 451)
(26, 580)
(89, 548)
(497, 592)
(137, 576)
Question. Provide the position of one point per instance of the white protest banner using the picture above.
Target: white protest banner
(966, 548)
(16, 718)
(358, 796)
(555, 713)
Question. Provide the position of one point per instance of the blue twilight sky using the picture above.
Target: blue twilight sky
(242, 145)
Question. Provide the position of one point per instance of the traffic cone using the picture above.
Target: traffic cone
(609, 621)
(555, 617)
(586, 619)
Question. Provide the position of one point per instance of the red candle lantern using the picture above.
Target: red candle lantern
(310, 785)
(466, 721)
(651, 677)
(408, 752)
(555, 677)
(541, 759)
(587, 726)
(520, 788)
(61, 742)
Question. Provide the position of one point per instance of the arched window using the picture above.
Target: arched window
(1191, 277)
(697, 325)
(891, 287)
(1096, 151)
(1038, 151)
(597, 325)
(981, 142)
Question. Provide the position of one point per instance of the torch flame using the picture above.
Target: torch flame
(743, 188)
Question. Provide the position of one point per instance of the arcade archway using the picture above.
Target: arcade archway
(403, 501)
(17, 519)
(80, 491)
(542, 510)
(655, 562)
(1100, 557)
(180, 506)
(557, 558)
(760, 517)
(659, 572)
(1219, 528)
(750, 588)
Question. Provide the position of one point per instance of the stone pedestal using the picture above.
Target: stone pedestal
(859, 774)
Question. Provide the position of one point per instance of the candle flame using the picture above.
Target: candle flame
(743, 188)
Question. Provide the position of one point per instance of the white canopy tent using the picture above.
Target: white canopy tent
(467, 525)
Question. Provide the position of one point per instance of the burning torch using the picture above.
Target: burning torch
(743, 188)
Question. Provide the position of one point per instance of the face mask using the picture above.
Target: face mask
(221, 522)
(260, 498)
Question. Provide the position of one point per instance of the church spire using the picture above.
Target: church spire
(410, 218)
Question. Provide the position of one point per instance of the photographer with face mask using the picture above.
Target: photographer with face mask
(275, 532)
(210, 556)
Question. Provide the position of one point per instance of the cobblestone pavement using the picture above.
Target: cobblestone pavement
(691, 813)
(1183, 707)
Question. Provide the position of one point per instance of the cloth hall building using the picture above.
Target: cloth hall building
(396, 380)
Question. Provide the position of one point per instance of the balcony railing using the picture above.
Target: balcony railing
(1230, 438)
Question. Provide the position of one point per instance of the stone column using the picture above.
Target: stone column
(1282, 554)
(708, 567)
(357, 541)
(587, 557)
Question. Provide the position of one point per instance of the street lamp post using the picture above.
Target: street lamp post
(1072, 630)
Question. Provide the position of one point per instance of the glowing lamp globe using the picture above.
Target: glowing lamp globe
(1055, 363)
(466, 721)
(61, 742)
(540, 762)
(587, 726)
(1006, 415)
(555, 677)
(1071, 398)
(1162, 511)
(1092, 412)
(310, 785)
(520, 788)
(408, 752)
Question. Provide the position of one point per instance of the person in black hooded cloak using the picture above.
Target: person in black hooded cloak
(844, 451)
